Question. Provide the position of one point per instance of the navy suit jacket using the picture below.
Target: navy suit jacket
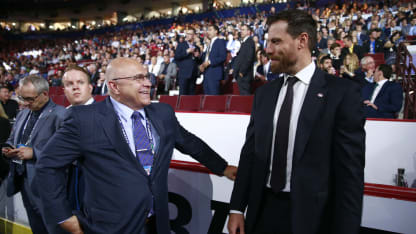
(217, 56)
(186, 64)
(389, 100)
(118, 192)
(327, 177)
(49, 121)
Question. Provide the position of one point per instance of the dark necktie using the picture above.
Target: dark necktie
(373, 92)
(25, 138)
(278, 177)
(142, 143)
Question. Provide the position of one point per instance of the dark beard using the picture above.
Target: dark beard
(283, 65)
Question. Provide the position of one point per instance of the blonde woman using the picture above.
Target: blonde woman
(350, 65)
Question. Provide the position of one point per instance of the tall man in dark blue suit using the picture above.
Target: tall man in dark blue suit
(124, 144)
(383, 98)
(301, 169)
(244, 62)
(213, 65)
(187, 63)
(34, 126)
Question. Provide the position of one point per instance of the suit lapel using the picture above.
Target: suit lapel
(19, 126)
(268, 112)
(158, 125)
(313, 104)
(380, 93)
(42, 119)
(110, 123)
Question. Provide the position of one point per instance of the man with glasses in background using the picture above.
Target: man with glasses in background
(125, 145)
(34, 126)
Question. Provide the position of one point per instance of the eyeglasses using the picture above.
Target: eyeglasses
(138, 77)
(27, 99)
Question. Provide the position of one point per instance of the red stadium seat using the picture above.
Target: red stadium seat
(190, 102)
(378, 58)
(99, 98)
(53, 90)
(410, 38)
(59, 90)
(58, 99)
(240, 104)
(171, 100)
(214, 103)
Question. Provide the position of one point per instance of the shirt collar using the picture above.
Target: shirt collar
(213, 40)
(90, 101)
(124, 111)
(245, 38)
(305, 75)
(381, 82)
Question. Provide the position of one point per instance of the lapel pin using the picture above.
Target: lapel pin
(321, 95)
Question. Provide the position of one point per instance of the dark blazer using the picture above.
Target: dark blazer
(389, 100)
(327, 180)
(359, 76)
(244, 61)
(186, 64)
(269, 76)
(118, 192)
(379, 46)
(49, 121)
(215, 71)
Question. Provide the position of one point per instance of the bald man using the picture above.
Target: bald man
(125, 146)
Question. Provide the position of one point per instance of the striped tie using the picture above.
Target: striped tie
(142, 142)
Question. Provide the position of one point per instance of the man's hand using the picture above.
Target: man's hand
(202, 68)
(236, 223)
(23, 153)
(230, 172)
(72, 225)
(8, 152)
(190, 50)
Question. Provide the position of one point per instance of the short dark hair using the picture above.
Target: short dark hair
(78, 68)
(248, 27)
(386, 70)
(215, 27)
(298, 22)
(334, 45)
(324, 58)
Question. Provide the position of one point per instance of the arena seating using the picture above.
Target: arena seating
(190, 102)
(214, 103)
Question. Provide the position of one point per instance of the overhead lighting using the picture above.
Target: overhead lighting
(196, 8)
(42, 24)
(169, 12)
(228, 3)
(14, 24)
(50, 26)
(93, 22)
(73, 26)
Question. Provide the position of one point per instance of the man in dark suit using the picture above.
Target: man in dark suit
(10, 106)
(187, 63)
(263, 71)
(383, 98)
(77, 89)
(365, 74)
(125, 144)
(373, 44)
(244, 61)
(34, 126)
(301, 168)
(213, 65)
(350, 48)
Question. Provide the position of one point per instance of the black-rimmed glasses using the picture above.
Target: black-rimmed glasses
(27, 99)
(138, 77)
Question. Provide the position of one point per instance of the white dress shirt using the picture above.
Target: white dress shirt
(377, 89)
(299, 92)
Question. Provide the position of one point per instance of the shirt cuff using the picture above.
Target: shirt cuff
(236, 212)
(64, 220)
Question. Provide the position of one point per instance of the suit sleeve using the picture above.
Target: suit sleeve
(239, 196)
(218, 57)
(395, 100)
(180, 53)
(60, 151)
(347, 165)
(190, 144)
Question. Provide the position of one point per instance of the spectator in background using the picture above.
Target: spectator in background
(5, 128)
(167, 73)
(187, 63)
(244, 61)
(263, 72)
(350, 65)
(233, 46)
(326, 65)
(213, 65)
(10, 106)
(335, 54)
(351, 48)
(383, 98)
(365, 73)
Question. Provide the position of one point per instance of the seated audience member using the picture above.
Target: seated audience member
(101, 88)
(263, 71)
(351, 48)
(383, 98)
(77, 89)
(5, 126)
(335, 53)
(326, 65)
(373, 44)
(391, 45)
(167, 72)
(365, 73)
(350, 65)
(10, 106)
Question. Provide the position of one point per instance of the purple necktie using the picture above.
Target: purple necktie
(142, 143)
